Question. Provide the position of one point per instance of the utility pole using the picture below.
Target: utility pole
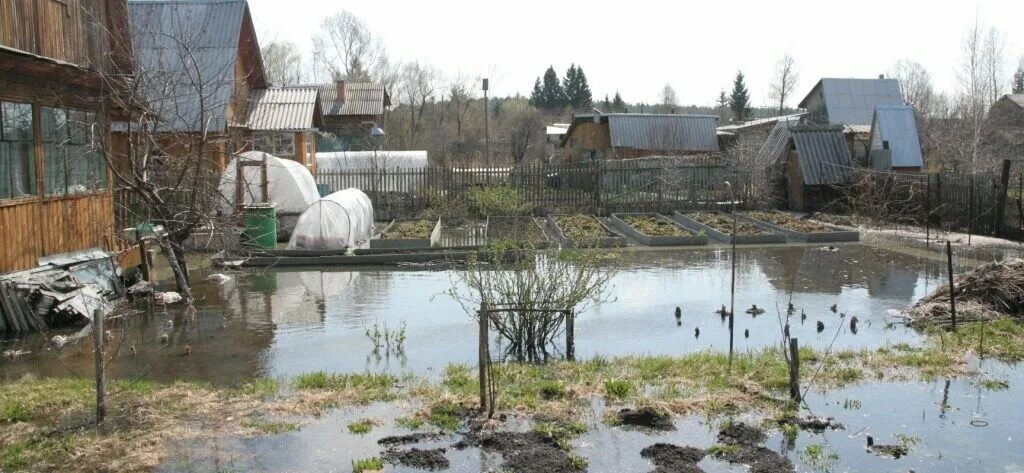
(487, 133)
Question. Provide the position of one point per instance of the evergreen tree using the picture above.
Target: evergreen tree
(723, 100)
(618, 105)
(739, 100)
(1018, 81)
(577, 90)
(537, 96)
(552, 95)
(607, 104)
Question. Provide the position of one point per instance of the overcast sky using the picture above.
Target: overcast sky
(638, 46)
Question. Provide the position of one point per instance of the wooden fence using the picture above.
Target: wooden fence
(600, 187)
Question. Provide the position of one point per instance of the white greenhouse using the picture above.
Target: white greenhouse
(289, 185)
(365, 160)
(339, 220)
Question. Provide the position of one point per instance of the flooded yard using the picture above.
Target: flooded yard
(281, 323)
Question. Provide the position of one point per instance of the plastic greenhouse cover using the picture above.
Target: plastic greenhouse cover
(355, 160)
(289, 184)
(339, 220)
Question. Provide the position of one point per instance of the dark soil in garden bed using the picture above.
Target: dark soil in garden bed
(646, 417)
(723, 223)
(525, 452)
(790, 222)
(668, 458)
(656, 226)
(432, 459)
(581, 227)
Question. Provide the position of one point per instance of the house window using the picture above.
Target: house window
(17, 164)
(278, 144)
(71, 164)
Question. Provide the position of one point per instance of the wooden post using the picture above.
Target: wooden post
(732, 283)
(484, 356)
(928, 211)
(1001, 198)
(952, 288)
(794, 369)
(143, 257)
(570, 335)
(101, 382)
(264, 182)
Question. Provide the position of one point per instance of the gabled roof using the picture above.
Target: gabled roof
(662, 132)
(762, 121)
(898, 126)
(775, 146)
(824, 155)
(853, 101)
(1017, 99)
(185, 52)
(361, 98)
(283, 109)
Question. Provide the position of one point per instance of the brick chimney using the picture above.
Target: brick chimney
(340, 86)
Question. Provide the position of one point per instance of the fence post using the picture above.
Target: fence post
(1001, 198)
(484, 356)
(570, 335)
(794, 369)
(101, 382)
(952, 288)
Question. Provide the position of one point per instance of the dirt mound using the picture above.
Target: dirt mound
(646, 417)
(812, 423)
(760, 459)
(668, 458)
(525, 452)
(985, 293)
(741, 434)
(423, 459)
(407, 439)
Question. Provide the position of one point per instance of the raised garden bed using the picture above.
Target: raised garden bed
(718, 226)
(517, 230)
(796, 229)
(408, 234)
(583, 231)
(656, 230)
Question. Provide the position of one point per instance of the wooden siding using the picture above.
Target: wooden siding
(69, 31)
(34, 228)
(587, 137)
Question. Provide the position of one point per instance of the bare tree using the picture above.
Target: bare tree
(417, 86)
(974, 86)
(916, 85)
(784, 82)
(668, 96)
(994, 64)
(348, 49)
(461, 91)
(282, 63)
(523, 124)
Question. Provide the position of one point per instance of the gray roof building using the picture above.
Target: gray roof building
(663, 132)
(284, 109)
(353, 98)
(186, 53)
(849, 101)
(823, 154)
(894, 129)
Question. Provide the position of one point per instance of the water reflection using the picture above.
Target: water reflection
(281, 322)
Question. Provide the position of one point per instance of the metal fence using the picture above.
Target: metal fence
(598, 187)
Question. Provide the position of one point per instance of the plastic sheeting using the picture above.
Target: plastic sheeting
(289, 184)
(339, 220)
(356, 160)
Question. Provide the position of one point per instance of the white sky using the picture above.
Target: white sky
(637, 46)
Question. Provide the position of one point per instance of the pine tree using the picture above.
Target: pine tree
(723, 100)
(552, 94)
(1018, 81)
(618, 105)
(537, 96)
(577, 90)
(739, 100)
(607, 104)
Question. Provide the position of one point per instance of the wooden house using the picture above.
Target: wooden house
(198, 64)
(353, 114)
(636, 135)
(57, 59)
(1004, 128)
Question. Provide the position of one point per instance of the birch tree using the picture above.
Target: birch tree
(784, 82)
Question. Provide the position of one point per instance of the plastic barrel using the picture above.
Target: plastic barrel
(323, 189)
(261, 225)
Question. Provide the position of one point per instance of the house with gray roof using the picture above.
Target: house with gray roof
(895, 142)
(849, 101)
(636, 135)
(1004, 128)
(353, 115)
(283, 121)
(197, 65)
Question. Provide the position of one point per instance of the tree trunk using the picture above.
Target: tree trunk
(176, 260)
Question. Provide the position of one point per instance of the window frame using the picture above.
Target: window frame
(82, 174)
(8, 174)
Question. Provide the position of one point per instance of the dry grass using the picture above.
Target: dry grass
(985, 293)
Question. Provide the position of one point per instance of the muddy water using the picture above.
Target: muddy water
(283, 322)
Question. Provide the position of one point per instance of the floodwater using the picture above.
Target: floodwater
(283, 322)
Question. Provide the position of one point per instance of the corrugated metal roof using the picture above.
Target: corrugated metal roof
(824, 156)
(762, 121)
(898, 126)
(853, 101)
(775, 146)
(663, 132)
(285, 108)
(361, 98)
(185, 52)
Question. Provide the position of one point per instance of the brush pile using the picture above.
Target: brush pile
(986, 293)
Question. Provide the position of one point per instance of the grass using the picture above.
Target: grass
(365, 387)
(818, 457)
(446, 416)
(617, 388)
(995, 385)
(269, 427)
(262, 387)
(362, 426)
(367, 464)
(410, 423)
(721, 450)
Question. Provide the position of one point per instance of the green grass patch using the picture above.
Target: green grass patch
(617, 388)
(269, 427)
(261, 387)
(446, 416)
(363, 387)
(410, 423)
(361, 426)
(721, 450)
(995, 384)
(367, 464)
